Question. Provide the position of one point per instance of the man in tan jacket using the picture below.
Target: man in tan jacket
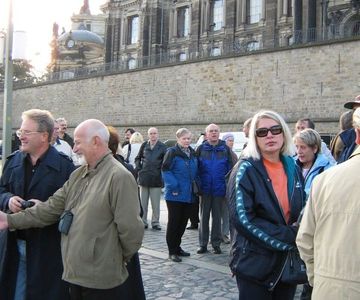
(100, 204)
(328, 237)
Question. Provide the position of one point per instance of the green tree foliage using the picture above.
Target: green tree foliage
(22, 72)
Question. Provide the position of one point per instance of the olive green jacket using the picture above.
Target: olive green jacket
(106, 229)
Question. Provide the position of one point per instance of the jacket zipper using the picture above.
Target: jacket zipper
(280, 274)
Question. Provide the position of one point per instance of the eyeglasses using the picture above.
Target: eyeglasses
(275, 130)
(21, 132)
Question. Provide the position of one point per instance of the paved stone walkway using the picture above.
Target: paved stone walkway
(200, 276)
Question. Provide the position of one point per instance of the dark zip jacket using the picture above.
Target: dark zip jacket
(260, 235)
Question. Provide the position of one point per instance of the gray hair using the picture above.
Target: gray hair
(136, 138)
(346, 120)
(43, 118)
(356, 118)
(310, 137)
(252, 149)
(59, 120)
(181, 132)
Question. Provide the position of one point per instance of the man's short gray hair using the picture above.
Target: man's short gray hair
(43, 118)
(59, 120)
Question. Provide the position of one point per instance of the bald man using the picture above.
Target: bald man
(100, 224)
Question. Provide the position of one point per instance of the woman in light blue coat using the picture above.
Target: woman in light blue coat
(309, 157)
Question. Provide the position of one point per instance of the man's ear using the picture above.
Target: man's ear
(357, 130)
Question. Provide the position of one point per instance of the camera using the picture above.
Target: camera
(27, 204)
(65, 222)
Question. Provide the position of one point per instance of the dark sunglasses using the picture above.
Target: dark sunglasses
(275, 130)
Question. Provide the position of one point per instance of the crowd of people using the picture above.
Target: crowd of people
(80, 207)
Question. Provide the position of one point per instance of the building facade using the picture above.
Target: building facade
(147, 32)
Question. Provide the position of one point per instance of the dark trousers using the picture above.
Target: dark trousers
(249, 290)
(131, 289)
(194, 212)
(82, 293)
(178, 215)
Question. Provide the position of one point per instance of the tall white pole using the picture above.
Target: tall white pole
(8, 90)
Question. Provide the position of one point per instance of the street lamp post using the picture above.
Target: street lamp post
(8, 90)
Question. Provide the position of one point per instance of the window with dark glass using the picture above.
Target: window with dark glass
(217, 15)
(133, 32)
(183, 21)
(253, 11)
(290, 8)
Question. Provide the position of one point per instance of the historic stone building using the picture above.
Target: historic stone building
(147, 32)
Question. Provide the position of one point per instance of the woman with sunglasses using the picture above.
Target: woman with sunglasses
(266, 195)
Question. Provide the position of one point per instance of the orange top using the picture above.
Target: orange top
(279, 182)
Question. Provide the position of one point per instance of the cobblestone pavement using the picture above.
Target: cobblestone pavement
(200, 276)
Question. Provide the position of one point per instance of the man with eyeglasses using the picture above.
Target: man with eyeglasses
(32, 265)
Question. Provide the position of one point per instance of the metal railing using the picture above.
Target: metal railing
(213, 47)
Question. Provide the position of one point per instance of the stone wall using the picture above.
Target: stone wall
(311, 81)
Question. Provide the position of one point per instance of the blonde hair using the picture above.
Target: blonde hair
(252, 149)
(136, 138)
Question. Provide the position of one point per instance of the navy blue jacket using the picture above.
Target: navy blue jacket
(44, 264)
(179, 171)
(260, 235)
(214, 163)
(348, 138)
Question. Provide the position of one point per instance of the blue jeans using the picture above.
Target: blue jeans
(20, 291)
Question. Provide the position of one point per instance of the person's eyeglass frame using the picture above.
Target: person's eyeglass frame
(263, 131)
(21, 132)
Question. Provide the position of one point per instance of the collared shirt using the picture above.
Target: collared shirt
(30, 170)
(185, 150)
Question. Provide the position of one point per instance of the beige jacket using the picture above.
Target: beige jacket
(329, 235)
(106, 229)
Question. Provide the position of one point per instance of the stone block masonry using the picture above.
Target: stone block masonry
(311, 81)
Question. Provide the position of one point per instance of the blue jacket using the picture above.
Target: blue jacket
(260, 235)
(178, 172)
(348, 138)
(214, 163)
(320, 164)
(44, 263)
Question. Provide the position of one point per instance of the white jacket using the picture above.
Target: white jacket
(329, 234)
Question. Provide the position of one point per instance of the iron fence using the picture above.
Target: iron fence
(204, 50)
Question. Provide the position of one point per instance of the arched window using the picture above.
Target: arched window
(131, 63)
(215, 51)
(252, 46)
